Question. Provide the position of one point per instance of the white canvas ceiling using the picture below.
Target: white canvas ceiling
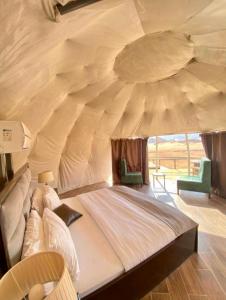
(117, 68)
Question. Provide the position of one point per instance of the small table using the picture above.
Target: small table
(156, 176)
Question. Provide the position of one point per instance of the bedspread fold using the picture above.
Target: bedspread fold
(133, 233)
(171, 216)
(136, 227)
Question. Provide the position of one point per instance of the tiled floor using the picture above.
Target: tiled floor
(203, 276)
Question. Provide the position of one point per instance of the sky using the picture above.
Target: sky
(176, 137)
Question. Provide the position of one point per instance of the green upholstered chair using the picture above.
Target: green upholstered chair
(129, 177)
(200, 183)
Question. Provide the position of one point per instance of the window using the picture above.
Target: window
(176, 154)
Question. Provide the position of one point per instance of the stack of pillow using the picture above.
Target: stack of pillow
(47, 228)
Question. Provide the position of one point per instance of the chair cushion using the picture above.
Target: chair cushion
(134, 173)
(189, 179)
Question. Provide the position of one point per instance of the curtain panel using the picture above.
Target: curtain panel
(215, 147)
(135, 151)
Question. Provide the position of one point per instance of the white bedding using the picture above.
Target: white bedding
(115, 234)
(97, 260)
(133, 233)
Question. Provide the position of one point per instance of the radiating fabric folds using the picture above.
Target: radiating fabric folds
(114, 69)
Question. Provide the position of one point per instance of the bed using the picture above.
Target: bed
(106, 271)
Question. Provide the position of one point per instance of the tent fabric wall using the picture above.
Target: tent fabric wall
(89, 78)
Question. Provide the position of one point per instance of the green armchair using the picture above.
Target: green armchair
(200, 183)
(129, 177)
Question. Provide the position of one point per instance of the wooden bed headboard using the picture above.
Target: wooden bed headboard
(15, 203)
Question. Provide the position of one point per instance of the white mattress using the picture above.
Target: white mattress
(133, 233)
(97, 260)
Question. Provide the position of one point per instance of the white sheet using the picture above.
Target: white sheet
(133, 233)
(97, 261)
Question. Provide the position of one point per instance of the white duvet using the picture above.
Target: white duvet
(133, 233)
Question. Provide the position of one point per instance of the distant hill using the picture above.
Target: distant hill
(180, 138)
(160, 140)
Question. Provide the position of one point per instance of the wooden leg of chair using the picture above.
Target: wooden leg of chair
(209, 195)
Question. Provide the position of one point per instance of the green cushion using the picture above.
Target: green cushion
(200, 183)
(134, 173)
(190, 178)
(129, 177)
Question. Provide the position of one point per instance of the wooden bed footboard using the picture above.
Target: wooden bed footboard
(140, 280)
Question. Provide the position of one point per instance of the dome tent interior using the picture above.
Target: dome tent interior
(103, 104)
(113, 69)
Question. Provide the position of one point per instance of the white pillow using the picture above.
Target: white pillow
(37, 201)
(34, 235)
(58, 238)
(51, 199)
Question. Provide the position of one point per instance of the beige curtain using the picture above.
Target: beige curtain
(135, 152)
(215, 147)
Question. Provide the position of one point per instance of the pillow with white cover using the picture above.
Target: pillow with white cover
(50, 198)
(37, 201)
(34, 235)
(58, 238)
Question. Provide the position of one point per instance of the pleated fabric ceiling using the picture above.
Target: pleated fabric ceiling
(117, 68)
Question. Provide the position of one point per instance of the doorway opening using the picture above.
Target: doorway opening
(175, 155)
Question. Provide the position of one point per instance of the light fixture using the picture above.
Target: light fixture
(14, 137)
(46, 177)
(38, 269)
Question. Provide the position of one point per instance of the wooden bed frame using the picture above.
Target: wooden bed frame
(140, 280)
(137, 282)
